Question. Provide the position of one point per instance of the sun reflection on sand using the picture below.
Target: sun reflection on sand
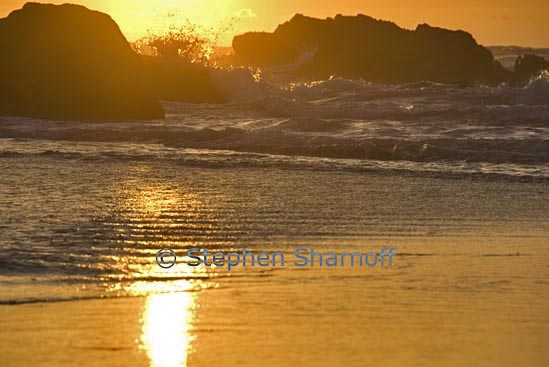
(163, 214)
(157, 215)
(167, 321)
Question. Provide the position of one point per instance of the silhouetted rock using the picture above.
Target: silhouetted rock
(67, 62)
(379, 51)
(528, 66)
(173, 79)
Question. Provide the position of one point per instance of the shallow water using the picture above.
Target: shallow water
(92, 222)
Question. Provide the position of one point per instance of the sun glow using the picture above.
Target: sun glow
(137, 17)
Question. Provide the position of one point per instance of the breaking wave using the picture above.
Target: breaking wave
(336, 118)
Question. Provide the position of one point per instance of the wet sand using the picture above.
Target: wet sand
(438, 310)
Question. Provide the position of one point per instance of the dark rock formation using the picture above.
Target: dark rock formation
(528, 66)
(67, 62)
(378, 51)
(172, 79)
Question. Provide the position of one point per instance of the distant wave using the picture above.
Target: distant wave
(157, 154)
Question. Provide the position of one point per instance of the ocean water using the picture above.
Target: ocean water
(68, 189)
(455, 178)
(426, 125)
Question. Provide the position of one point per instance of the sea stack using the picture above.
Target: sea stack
(375, 50)
(68, 62)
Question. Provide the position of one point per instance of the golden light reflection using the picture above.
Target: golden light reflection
(150, 202)
(166, 332)
(156, 214)
(162, 214)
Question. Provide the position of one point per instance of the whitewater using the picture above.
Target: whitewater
(329, 123)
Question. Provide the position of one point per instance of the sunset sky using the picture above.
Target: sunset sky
(492, 22)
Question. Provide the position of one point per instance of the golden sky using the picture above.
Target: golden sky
(492, 22)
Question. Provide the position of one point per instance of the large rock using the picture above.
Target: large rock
(67, 62)
(379, 51)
